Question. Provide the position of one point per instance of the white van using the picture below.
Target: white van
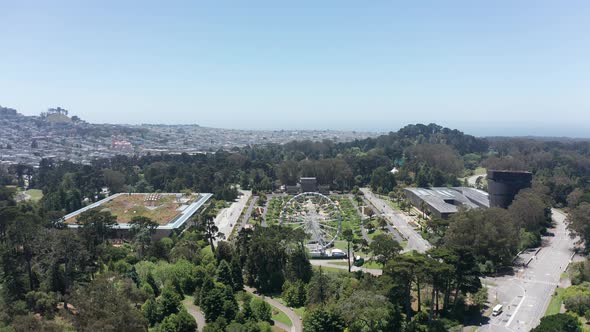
(497, 310)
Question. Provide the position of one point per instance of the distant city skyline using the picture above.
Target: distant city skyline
(500, 68)
(569, 132)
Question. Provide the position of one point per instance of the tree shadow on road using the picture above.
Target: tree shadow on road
(504, 272)
(476, 320)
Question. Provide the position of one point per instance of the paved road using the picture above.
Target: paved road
(194, 311)
(395, 233)
(400, 221)
(390, 228)
(283, 327)
(295, 319)
(398, 237)
(330, 263)
(526, 294)
(247, 215)
(227, 218)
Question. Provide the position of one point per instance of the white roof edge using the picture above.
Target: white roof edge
(185, 215)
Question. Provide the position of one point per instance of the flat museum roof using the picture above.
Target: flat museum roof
(174, 223)
(437, 197)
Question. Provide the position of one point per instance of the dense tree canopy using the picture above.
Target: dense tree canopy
(490, 233)
(53, 278)
(559, 323)
(580, 222)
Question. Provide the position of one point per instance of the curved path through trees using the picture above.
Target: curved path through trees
(194, 311)
(295, 319)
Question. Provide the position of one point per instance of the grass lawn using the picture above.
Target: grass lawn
(189, 301)
(392, 204)
(327, 269)
(480, 171)
(342, 245)
(351, 218)
(300, 311)
(280, 316)
(555, 303)
(274, 208)
(395, 206)
(489, 283)
(372, 265)
(162, 209)
(375, 233)
(35, 194)
(368, 264)
(467, 173)
(126, 207)
(206, 252)
(339, 263)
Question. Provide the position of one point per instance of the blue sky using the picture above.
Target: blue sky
(486, 67)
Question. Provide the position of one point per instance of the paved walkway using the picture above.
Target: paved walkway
(227, 218)
(194, 311)
(295, 319)
(282, 326)
(247, 215)
(400, 221)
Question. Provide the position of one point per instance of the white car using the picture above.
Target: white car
(338, 253)
(497, 310)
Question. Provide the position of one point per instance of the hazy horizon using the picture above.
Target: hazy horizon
(489, 69)
(491, 132)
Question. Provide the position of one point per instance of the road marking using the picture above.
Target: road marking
(515, 311)
(537, 281)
